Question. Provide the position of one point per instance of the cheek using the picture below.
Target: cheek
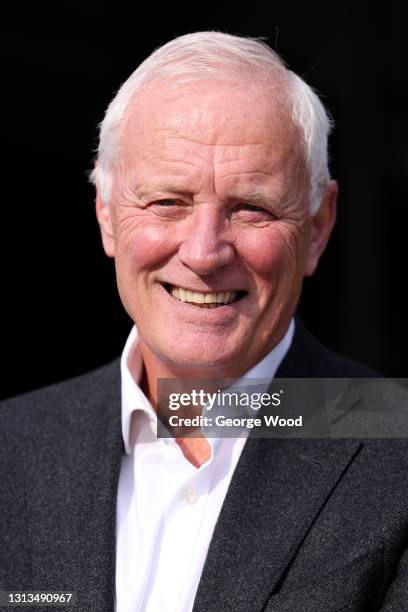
(144, 248)
(268, 252)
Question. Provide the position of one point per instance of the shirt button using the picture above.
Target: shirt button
(190, 495)
(153, 427)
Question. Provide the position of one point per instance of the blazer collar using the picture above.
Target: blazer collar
(277, 491)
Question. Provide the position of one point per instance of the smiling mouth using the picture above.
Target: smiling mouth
(204, 300)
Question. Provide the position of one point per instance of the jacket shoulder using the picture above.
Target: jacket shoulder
(309, 358)
(25, 413)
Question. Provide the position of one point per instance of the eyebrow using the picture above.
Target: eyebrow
(256, 196)
(147, 192)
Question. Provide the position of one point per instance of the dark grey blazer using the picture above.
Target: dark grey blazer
(308, 525)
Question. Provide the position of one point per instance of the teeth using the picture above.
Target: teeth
(198, 298)
(182, 295)
(207, 300)
(210, 298)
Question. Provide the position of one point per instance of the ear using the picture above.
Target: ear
(322, 225)
(104, 216)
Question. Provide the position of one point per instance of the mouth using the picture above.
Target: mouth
(204, 299)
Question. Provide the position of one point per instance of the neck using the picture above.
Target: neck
(196, 450)
(155, 368)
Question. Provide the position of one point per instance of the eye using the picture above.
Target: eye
(166, 202)
(245, 211)
(169, 208)
(251, 207)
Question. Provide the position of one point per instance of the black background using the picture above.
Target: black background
(61, 67)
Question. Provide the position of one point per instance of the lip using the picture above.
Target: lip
(220, 313)
(202, 290)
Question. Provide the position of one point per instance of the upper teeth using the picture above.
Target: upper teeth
(203, 298)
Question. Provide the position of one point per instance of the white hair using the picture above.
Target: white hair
(214, 54)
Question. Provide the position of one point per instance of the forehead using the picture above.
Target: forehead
(230, 126)
(216, 111)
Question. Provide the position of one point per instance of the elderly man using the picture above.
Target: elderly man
(215, 201)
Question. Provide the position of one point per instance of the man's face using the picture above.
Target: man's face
(210, 197)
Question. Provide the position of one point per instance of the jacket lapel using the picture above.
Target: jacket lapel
(277, 491)
(71, 487)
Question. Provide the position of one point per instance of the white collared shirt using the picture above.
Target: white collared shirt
(166, 507)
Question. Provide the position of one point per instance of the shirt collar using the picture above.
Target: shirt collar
(134, 399)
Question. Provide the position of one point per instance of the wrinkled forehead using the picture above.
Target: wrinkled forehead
(210, 112)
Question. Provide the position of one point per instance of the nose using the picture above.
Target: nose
(207, 244)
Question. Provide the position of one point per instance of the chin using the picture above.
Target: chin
(201, 363)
